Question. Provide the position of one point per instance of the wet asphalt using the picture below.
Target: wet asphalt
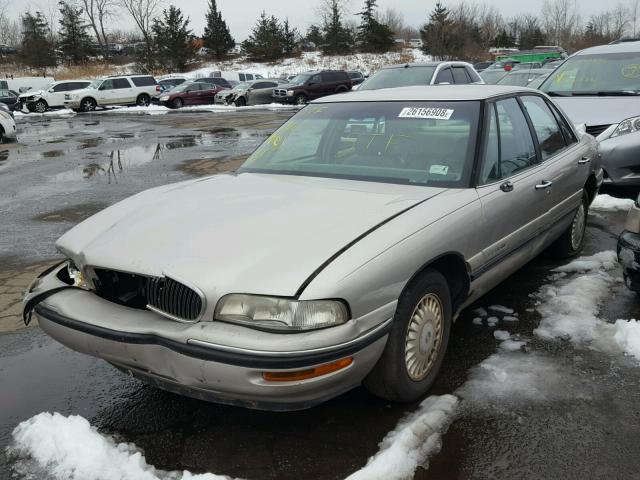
(64, 170)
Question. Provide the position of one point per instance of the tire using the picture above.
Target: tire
(240, 102)
(177, 103)
(88, 104)
(572, 239)
(417, 343)
(40, 106)
(143, 100)
(301, 99)
(2, 136)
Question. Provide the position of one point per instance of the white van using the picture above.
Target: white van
(236, 76)
(24, 84)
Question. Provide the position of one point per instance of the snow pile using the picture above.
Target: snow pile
(507, 378)
(413, 440)
(569, 307)
(69, 448)
(607, 203)
(63, 112)
(161, 109)
(366, 63)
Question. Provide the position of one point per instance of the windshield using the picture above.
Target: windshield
(399, 77)
(300, 79)
(95, 84)
(492, 76)
(418, 143)
(615, 73)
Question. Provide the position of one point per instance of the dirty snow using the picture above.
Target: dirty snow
(63, 112)
(501, 309)
(501, 335)
(161, 109)
(569, 307)
(607, 203)
(511, 345)
(510, 318)
(69, 448)
(412, 441)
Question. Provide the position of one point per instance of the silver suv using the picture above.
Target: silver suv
(428, 73)
(600, 87)
(116, 90)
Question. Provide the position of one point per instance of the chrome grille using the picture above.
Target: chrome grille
(596, 130)
(173, 298)
(279, 92)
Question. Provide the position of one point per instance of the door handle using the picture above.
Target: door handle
(584, 160)
(543, 185)
(506, 186)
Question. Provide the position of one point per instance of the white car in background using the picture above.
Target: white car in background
(52, 96)
(116, 90)
(7, 124)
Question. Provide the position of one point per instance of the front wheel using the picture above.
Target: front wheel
(240, 102)
(40, 106)
(301, 99)
(177, 103)
(143, 100)
(572, 239)
(417, 342)
(88, 105)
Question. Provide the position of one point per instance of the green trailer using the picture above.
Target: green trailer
(525, 56)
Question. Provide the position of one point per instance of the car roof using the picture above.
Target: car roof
(624, 47)
(423, 64)
(426, 93)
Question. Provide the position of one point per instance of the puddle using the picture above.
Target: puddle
(211, 166)
(52, 153)
(71, 214)
(4, 156)
(91, 143)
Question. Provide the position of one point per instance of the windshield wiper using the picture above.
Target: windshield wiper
(558, 94)
(609, 93)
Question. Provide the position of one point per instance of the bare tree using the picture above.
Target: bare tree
(393, 19)
(560, 19)
(619, 20)
(10, 29)
(143, 12)
(98, 12)
(634, 9)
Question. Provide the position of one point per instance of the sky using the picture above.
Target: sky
(242, 14)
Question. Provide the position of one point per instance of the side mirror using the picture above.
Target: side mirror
(310, 84)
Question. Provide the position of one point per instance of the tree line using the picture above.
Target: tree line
(465, 31)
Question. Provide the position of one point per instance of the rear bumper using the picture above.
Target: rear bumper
(188, 360)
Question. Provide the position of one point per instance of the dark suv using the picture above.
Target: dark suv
(311, 85)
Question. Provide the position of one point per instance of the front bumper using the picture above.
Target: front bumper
(200, 359)
(279, 99)
(620, 158)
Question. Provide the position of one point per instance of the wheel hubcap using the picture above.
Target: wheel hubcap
(40, 107)
(424, 337)
(577, 227)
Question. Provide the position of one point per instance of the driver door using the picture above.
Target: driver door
(510, 184)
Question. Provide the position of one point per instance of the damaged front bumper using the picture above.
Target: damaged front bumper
(211, 360)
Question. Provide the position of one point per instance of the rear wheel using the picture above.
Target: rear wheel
(177, 103)
(143, 100)
(572, 239)
(88, 105)
(40, 106)
(301, 99)
(417, 342)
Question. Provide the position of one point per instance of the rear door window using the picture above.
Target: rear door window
(242, 77)
(547, 130)
(460, 75)
(63, 87)
(249, 76)
(444, 76)
(143, 81)
(121, 83)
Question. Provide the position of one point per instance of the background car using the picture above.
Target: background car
(257, 92)
(7, 124)
(188, 93)
(600, 87)
(523, 78)
(9, 98)
(169, 83)
(115, 90)
(221, 82)
(481, 66)
(311, 85)
(429, 73)
(491, 76)
(356, 77)
(52, 96)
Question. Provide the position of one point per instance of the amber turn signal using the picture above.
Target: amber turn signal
(309, 373)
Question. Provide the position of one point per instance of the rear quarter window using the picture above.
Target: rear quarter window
(143, 81)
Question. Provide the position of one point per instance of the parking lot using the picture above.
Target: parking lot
(548, 409)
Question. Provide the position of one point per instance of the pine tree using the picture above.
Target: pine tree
(217, 38)
(373, 36)
(314, 35)
(337, 39)
(437, 35)
(290, 37)
(266, 42)
(173, 40)
(36, 47)
(74, 41)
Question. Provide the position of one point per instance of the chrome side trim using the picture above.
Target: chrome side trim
(295, 353)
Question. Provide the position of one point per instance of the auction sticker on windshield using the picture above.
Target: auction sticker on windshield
(426, 113)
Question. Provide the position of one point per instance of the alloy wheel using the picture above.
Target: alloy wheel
(578, 227)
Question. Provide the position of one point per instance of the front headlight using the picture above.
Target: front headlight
(164, 98)
(629, 125)
(290, 93)
(282, 314)
(76, 276)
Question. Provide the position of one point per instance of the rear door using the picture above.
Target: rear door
(509, 182)
(207, 95)
(261, 92)
(566, 160)
(124, 93)
(315, 86)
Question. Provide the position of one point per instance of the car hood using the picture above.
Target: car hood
(599, 110)
(31, 93)
(246, 232)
